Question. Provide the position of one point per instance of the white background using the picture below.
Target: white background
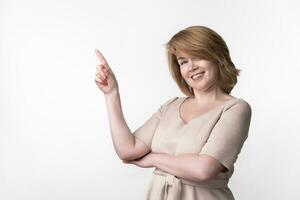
(55, 140)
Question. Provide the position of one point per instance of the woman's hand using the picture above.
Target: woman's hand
(105, 78)
(145, 162)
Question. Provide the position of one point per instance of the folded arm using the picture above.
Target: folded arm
(188, 166)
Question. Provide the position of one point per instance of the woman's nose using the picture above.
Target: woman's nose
(192, 65)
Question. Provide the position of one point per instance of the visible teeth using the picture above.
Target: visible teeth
(197, 75)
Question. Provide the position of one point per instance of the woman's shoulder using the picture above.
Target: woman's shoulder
(170, 100)
(239, 105)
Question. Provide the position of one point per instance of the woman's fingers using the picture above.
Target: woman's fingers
(97, 79)
(102, 68)
(101, 75)
(104, 77)
(100, 80)
(101, 58)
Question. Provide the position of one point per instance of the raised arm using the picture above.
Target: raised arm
(126, 145)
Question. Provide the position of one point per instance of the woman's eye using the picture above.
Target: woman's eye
(183, 62)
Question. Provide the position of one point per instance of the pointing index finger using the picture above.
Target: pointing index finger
(101, 57)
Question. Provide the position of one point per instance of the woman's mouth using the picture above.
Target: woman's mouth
(197, 76)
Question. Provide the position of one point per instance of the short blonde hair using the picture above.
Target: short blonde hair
(203, 42)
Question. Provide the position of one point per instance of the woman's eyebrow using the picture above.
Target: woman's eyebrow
(180, 58)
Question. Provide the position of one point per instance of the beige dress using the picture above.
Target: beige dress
(219, 133)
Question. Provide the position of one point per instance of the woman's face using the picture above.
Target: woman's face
(199, 73)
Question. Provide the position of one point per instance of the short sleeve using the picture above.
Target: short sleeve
(146, 131)
(229, 134)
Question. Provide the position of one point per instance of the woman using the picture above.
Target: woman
(191, 141)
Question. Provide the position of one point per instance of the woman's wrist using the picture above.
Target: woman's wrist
(114, 93)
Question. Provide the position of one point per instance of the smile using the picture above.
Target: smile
(197, 76)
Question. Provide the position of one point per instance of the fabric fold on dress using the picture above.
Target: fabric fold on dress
(172, 185)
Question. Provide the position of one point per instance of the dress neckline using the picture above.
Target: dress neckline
(183, 99)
